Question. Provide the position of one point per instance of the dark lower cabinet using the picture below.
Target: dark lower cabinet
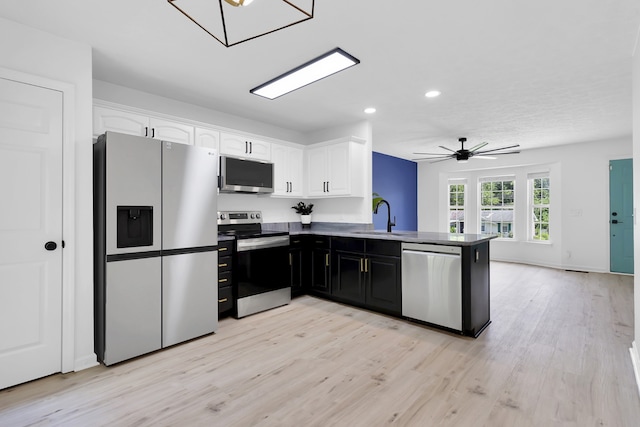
(383, 284)
(225, 278)
(298, 264)
(476, 314)
(367, 273)
(320, 265)
(347, 277)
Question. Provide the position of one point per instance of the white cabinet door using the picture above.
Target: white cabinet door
(107, 119)
(209, 138)
(287, 170)
(242, 146)
(279, 157)
(170, 131)
(338, 169)
(296, 181)
(335, 170)
(317, 171)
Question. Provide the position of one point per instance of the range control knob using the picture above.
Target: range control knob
(223, 216)
(253, 216)
(257, 216)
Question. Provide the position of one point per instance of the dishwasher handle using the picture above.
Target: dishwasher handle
(443, 254)
(431, 248)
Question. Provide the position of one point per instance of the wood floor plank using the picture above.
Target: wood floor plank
(555, 354)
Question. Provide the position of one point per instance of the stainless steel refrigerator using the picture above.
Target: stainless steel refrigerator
(155, 234)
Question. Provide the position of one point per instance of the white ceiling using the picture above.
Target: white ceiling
(536, 73)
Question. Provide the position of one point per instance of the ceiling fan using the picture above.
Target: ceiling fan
(463, 155)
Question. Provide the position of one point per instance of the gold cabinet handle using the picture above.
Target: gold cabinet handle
(223, 264)
(222, 249)
(222, 280)
(361, 267)
(326, 260)
(223, 300)
(290, 260)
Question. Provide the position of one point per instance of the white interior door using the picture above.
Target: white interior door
(30, 217)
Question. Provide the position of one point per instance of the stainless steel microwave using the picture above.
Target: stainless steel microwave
(245, 176)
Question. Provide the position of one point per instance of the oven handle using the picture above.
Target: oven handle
(262, 243)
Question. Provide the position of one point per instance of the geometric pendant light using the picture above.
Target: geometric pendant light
(236, 21)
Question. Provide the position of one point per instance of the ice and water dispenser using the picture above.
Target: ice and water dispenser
(135, 226)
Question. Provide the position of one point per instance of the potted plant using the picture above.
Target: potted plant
(304, 211)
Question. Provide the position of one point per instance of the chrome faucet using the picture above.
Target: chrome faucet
(389, 223)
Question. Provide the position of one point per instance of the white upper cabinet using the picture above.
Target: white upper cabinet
(111, 119)
(167, 130)
(209, 138)
(105, 119)
(335, 169)
(243, 146)
(287, 170)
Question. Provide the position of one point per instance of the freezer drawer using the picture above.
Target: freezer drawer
(432, 285)
(189, 296)
(132, 309)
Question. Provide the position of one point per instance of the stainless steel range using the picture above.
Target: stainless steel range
(261, 268)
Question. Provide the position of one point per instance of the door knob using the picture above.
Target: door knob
(614, 221)
(50, 246)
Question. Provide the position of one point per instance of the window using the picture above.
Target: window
(539, 206)
(456, 207)
(497, 206)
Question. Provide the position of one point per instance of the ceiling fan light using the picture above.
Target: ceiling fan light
(432, 94)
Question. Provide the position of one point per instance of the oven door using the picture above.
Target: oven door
(262, 265)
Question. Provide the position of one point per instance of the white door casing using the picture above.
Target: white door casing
(31, 139)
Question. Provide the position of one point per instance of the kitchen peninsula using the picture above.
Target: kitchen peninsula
(437, 279)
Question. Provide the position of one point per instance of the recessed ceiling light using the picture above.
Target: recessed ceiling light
(370, 110)
(307, 73)
(432, 93)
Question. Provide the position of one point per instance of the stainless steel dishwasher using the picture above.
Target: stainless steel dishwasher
(432, 284)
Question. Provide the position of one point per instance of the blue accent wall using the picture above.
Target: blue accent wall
(396, 181)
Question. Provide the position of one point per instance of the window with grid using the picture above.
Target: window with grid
(539, 206)
(497, 206)
(456, 206)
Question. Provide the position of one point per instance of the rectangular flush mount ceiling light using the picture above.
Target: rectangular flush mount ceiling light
(323, 66)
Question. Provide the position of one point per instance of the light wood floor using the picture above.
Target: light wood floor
(556, 354)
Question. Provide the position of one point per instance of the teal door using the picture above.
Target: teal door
(621, 215)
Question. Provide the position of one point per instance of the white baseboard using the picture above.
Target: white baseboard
(635, 359)
(85, 362)
(550, 265)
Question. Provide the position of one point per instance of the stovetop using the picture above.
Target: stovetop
(244, 225)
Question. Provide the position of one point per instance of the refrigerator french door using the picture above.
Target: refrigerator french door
(155, 245)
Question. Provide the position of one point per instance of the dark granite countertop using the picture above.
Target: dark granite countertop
(405, 236)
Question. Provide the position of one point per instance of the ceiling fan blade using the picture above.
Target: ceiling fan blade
(442, 160)
(506, 152)
(437, 159)
(448, 149)
(477, 147)
(482, 157)
(496, 149)
(433, 154)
